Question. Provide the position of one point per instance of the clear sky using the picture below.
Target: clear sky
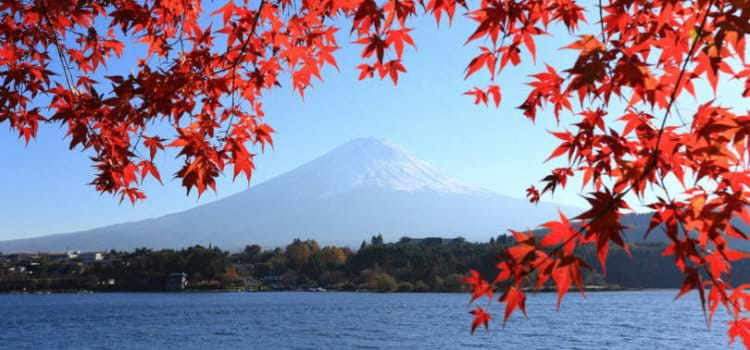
(44, 185)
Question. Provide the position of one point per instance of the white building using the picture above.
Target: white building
(90, 257)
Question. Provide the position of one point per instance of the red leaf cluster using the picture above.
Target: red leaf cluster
(646, 54)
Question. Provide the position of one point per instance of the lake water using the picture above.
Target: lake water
(291, 320)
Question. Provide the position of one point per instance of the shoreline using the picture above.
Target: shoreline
(198, 291)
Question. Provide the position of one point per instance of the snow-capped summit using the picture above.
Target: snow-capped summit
(364, 187)
(367, 163)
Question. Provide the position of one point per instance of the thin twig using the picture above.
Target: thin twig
(237, 61)
(66, 69)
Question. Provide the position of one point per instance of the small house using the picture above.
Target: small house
(176, 281)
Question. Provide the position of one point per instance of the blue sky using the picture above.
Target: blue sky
(44, 186)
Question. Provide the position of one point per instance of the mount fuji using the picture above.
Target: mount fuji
(364, 187)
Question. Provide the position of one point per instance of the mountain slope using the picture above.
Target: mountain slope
(361, 188)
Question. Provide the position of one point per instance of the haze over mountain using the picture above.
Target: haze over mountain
(364, 187)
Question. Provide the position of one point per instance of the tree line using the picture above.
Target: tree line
(409, 265)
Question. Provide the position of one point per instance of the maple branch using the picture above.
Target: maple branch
(66, 70)
(245, 44)
(601, 21)
(137, 142)
(702, 260)
(604, 42)
(673, 95)
(653, 161)
(237, 61)
(703, 264)
(182, 33)
(575, 235)
(497, 50)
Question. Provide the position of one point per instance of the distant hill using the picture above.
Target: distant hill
(361, 188)
(637, 224)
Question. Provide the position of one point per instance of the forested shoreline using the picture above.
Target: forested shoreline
(409, 265)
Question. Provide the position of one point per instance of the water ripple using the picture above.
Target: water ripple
(627, 320)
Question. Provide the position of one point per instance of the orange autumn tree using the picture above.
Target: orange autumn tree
(205, 83)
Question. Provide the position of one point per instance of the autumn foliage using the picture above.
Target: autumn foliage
(647, 55)
(205, 80)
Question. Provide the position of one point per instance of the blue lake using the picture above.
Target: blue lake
(291, 320)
